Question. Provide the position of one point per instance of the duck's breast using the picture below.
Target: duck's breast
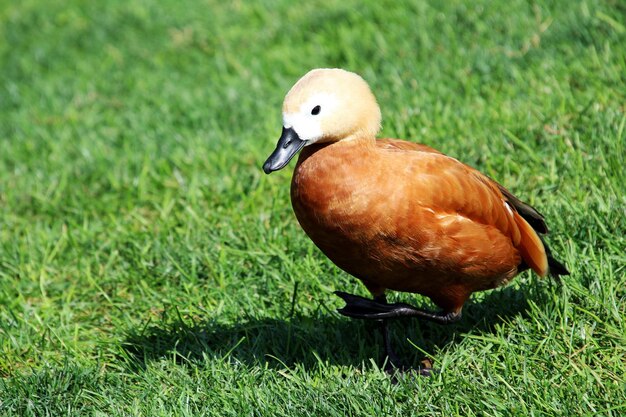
(334, 198)
(402, 219)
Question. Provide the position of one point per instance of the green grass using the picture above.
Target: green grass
(148, 267)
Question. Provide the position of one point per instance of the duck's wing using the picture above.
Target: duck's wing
(529, 213)
(464, 191)
(536, 220)
(472, 194)
(477, 195)
(523, 222)
(530, 217)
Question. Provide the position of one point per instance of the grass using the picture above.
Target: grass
(148, 267)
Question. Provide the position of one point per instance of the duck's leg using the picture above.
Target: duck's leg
(391, 359)
(378, 309)
(363, 308)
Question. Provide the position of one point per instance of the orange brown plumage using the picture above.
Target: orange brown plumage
(396, 214)
(402, 216)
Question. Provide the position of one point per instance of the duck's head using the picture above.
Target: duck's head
(326, 105)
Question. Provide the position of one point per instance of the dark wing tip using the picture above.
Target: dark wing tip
(556, 267)
(528, 212)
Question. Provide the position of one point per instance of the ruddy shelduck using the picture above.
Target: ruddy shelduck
(395, 214)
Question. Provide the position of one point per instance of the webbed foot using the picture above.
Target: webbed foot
(378, 309)
(363, 308)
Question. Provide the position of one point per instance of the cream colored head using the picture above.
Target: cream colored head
(328, 105)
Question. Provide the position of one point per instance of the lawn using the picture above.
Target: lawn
(148, 267)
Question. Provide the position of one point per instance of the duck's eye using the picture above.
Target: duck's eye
(316, 110)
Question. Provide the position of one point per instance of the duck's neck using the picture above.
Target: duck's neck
(359, 139)
(362, 142)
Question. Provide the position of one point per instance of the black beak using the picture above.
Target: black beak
(288, 145)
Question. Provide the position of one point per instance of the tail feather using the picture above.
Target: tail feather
(556, 267)
(531, 247)
(535, 252)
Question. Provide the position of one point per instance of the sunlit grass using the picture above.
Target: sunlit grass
(148, 267)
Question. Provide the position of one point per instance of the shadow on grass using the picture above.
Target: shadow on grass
(301, 340)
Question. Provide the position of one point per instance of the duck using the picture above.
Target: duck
(395, 214)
